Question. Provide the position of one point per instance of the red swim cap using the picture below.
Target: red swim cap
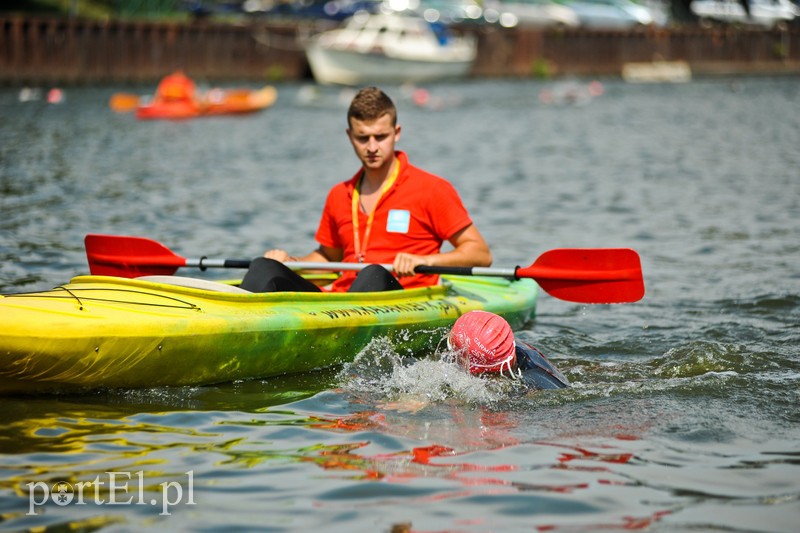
(485, 342)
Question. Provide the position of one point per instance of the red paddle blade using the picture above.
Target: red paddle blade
(590, 275)
(129, 257)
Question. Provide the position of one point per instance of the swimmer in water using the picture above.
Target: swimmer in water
(485, 345)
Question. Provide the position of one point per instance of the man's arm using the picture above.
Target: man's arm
(469, 249)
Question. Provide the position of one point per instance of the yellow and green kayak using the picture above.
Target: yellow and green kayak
(110, 332)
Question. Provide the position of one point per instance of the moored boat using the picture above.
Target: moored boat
(388, 48)
(110, 332)
(657, 72)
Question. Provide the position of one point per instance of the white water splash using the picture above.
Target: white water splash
(378, 370)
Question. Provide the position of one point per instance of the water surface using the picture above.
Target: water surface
(683, 412)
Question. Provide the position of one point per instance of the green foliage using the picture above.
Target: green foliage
(97, 9)
(779, 50)
(276, 73)
(541, 68)
(82, 8)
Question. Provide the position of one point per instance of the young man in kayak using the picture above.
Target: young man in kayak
(389, 212)
(485, 345)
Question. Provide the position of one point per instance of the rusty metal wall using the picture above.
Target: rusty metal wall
(82, 52)
(70, 51)
(602, 53)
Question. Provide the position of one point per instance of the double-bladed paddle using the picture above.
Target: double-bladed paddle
(584, 275)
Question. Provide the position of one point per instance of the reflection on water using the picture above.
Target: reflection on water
(683, 410)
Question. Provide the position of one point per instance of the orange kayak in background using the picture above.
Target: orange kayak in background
(169, 110)
(232, 101)
(214, 102)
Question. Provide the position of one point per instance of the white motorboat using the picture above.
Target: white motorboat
(388, 48)
(765, 13)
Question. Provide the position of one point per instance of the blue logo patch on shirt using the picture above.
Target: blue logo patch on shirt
(398, 221)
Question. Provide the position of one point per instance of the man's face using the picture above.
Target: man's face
(373, 141)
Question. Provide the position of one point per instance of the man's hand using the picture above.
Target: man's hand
(278, 255)
(320, 255)
(404, 264)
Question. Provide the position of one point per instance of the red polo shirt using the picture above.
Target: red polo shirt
(416, 215)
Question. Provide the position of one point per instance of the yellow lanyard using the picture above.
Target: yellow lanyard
(361, 249)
